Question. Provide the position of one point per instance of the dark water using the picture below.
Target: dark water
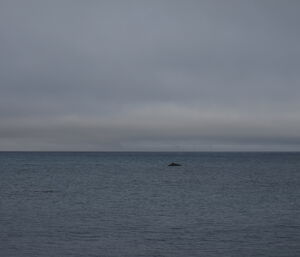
(132, 204)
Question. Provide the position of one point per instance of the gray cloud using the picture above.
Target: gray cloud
(148, 75)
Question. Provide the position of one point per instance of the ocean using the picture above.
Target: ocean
(131, 204)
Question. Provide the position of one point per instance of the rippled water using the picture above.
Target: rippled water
(133, 204)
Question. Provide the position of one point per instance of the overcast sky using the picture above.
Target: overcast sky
(150, 75)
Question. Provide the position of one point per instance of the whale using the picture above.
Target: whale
(174, 164)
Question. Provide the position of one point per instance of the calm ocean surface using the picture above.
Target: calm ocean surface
(133, 204)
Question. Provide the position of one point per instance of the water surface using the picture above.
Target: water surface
(133, 204)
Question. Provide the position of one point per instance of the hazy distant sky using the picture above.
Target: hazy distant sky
(150, 75)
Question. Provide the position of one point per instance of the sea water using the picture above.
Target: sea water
(133, 204)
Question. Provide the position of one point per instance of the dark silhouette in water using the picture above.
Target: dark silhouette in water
(174, 164)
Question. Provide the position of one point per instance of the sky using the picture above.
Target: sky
(158, 75)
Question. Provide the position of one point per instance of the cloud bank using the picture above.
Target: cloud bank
(149, 75)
